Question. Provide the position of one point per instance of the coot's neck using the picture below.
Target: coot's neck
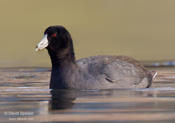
(63, 64)
(60, 59)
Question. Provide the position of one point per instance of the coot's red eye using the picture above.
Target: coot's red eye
(54, 35)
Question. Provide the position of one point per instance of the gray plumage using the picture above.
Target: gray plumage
(113, 72)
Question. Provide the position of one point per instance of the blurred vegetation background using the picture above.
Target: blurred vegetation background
(144, 29)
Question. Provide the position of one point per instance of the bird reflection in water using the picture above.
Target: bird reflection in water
(62, 99)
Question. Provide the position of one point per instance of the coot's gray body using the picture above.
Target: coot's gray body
(96, 72)
(106, 72)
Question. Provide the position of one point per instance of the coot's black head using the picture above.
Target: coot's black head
(57, 40)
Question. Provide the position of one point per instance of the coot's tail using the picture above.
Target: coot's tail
(151, 77)
(154, 74)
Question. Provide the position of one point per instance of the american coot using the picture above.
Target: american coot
(96, 72)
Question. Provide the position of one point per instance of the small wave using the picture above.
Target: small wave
(157, 89)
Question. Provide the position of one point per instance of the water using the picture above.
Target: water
(25, 97)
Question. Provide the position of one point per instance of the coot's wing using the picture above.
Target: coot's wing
(121, 71)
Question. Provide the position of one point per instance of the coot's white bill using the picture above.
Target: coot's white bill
(42, 44)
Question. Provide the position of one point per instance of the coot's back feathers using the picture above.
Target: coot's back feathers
(118, 71)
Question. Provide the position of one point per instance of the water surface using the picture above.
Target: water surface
(25, 97)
